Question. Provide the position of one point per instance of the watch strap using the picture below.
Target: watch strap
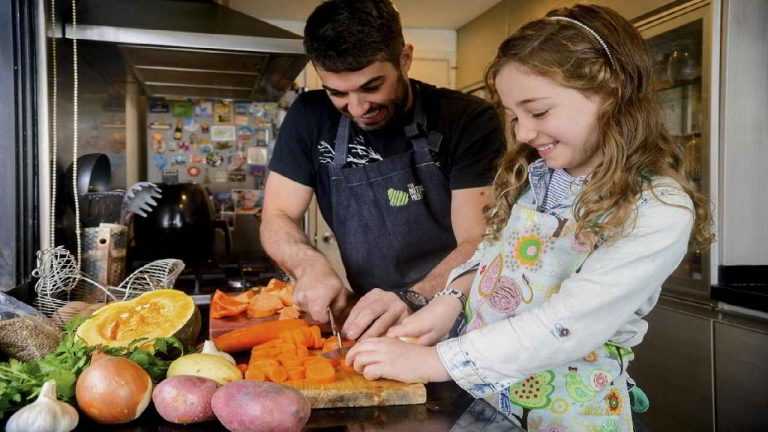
(453, 292)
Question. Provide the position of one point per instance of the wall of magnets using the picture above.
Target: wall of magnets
(222, 144)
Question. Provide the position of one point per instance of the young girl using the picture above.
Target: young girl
(593, 211)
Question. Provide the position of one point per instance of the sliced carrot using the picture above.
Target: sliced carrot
(263, 364)
(247, 337)
(255, 374)
(243, 367)
(320, 372)
(264, 305)
(302, 352)
(289, 360)
(246, 296)
(286, 296)
(288, 312)
(295, 373)
(277, 374)
(275, 285)
(223, 305)
(317, 338)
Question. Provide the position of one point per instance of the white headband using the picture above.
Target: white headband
(590, 31)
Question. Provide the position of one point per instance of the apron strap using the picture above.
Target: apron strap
(416, 131)
(342, 141)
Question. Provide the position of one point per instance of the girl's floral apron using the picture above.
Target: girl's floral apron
(535, 252)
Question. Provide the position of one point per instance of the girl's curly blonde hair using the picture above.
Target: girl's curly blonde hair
(634, 145)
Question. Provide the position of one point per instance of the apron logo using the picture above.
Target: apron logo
(399, 198)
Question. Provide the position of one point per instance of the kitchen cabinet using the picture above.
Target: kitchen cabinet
(741, 375)
(673, 366)
(681, 44)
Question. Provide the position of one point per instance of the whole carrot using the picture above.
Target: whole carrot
(245, 338)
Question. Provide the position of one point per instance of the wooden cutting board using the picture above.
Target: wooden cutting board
(349, 389)
(352, 390)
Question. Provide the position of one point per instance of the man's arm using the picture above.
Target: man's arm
(317, 285)
(468, 226)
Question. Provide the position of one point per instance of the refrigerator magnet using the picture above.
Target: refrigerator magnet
(158, 142)
(193, 171)
(191, 125)
(214, 159)
(236, 176)
(205, 127)
(159, 125)
(256, 155)
(170, 176)
(244, 133)
(183, 109)
(223, 133)
(159, 161)
(206, 149)
(241, 120)
(197, 159)
(158, 106)
(179, 159)
(242, 108)
(236, 161)
(222, 111)
(204, 108)
(223, 145)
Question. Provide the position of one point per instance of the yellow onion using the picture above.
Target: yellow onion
(113, 390)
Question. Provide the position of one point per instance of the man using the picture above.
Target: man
(401, 171)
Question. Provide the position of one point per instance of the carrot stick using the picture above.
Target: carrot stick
(247, 337)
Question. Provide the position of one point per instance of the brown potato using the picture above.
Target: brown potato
(185, 399)
(253, 406)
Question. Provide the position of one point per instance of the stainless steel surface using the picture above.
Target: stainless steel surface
(744, 232)
(674, 367)
(741, 374)
(194, 49)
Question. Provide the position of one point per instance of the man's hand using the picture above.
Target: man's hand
(393, 359)
(431, 323)
(374, 314)
(318, 287)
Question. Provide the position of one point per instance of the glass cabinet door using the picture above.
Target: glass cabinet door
(680, 46)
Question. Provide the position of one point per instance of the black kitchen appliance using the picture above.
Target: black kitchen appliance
(182, 225)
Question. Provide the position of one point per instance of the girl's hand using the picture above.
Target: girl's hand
(394, 359)
(431, 323)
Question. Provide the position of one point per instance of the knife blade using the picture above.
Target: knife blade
(339, 352)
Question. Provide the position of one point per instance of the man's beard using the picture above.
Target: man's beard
(396, 108)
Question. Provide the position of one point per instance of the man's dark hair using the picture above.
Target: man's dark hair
(349, 35)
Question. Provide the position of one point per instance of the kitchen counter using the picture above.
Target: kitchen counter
(448, 408)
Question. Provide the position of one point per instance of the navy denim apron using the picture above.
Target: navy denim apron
(391, 218)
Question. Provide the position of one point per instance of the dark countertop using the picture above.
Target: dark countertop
(448, 408)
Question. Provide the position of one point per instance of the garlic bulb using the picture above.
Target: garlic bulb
(46, 414)
(210, 348)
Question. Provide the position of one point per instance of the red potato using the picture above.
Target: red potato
(185, 399)
(253, 406)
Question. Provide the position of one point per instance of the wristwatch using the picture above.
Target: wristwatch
(453, 292)
(413, 299)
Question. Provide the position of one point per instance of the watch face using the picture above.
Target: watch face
(415, 298)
